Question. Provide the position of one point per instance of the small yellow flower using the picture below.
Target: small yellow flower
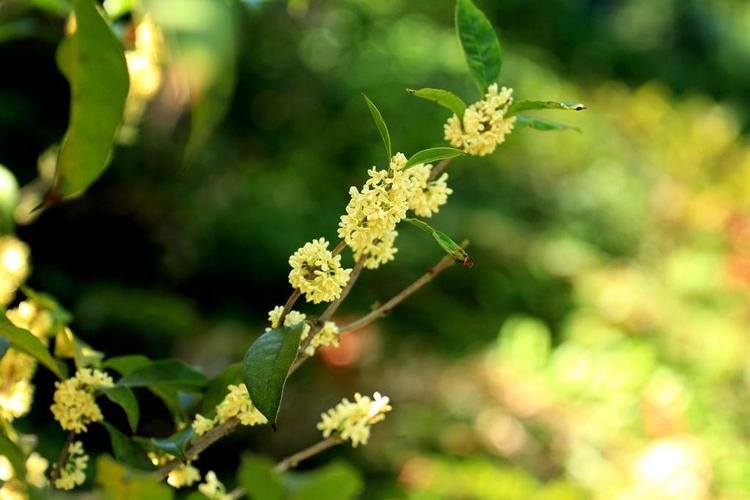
(484, 125)
(352, 420)
(317, 273)
(183, 475)
(36, 465)
(213, 488)
(74, 472)
(328, 336)
(427, 197)
(202, 425)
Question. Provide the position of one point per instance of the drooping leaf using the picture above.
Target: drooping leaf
(380, 124)
(176, 444)
(124, 397)
(25, 341)
(164, 372)
(266, 366)
(480, 44)
(520, 106)
(260, 481)
(8, 199)
(433, 154)
(216, 388)
(541, 124)
(444, 241)
(335, 481)
(126, 450)
(14, 455)
(445, 98)
(122, 483)
(93, 62)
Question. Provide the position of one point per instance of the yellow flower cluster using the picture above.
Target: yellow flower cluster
(317, 273)
(484, 125)
(14, 267)
(16, 368)
(235, 404)
(182, 475)
(213, 488)
(426, 197)
(14, 488)
(369, 224)
(328, 336)
(74, 472)
(352, 420)
(75, 406)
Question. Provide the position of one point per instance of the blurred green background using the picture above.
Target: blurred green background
(598, 348)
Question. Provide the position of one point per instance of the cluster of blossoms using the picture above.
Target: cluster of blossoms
(182, 475)
(75, 405)
(74, 472)
(236, 404)
(213, 488)
(16, 368)
(326, 336)
(317, 273)
(427, 196)
(484, 125)
(13, 487)
(14, 267)
(351, 420)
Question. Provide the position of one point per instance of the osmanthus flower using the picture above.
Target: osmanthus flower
(75, 405)
(13, 486)
(237, 404)
(213, 488)
(317, 273)
(327, 336)
(427, 196)
(351, 420)
(484, 125)
(74, 472)
(182, 475)
(14, 267)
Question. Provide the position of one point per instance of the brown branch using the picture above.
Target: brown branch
(438, 169)
(200, 444)
(62, 461)
(288, 306)
(339, 248)
(293, 460)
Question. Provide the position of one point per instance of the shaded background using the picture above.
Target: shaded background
(597, 349)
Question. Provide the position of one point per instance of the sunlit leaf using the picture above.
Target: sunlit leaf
(122, 483)
(266, 366)
(335, 481)
(124, 397)
(126, 451)
(260, 481)
(25, 341)
(380, 124)
(541, 124)
(444, 241)
(445, 98)
(93, 62)
(480, 44)
(519, 106)
(432, 155)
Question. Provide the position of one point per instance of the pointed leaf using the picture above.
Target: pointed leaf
(445, 98)
(93, 62)
(25, 341)
(124, 397)
(176, 444)
(13, 453)
(380, 123)
(543, 125)
(433, 154)
(126, 450)
(266, 367)
(519, 106)
(444, 241)
(164, 372)
(480, 44)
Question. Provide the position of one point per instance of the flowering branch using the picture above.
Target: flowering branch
(61, 462)
(293, 460)
(289, 304)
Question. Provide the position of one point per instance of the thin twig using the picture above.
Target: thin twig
(339, 248)
(386, 308)
(288, 306)
(62, 461)
(293, 460)
(200, 444)
(438, 169)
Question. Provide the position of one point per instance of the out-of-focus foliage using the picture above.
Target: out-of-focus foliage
(598, 348)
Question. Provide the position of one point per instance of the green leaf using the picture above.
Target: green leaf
(93, 62)
(519, 106)
(126, 451)
(122, 483)
(335, 481)
(216, 388)
(8, 199)
(433, 154)
(124, 397)
(164, 372)
(266, 366)
(14, 455)
(543, 125)
(176, 444)
(445, 98)
(260, 481)
(126, 364)
(444, 241)
(25, 341)
(480, 44)
(380, 123)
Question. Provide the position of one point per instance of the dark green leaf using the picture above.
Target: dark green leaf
(446, 243)
(14, 455)
(126, 451)
(216, 388)
(266, 366)
(335, 481)
(260, 481)
(540, 124)
(164, 372)
(380, 123)
(445, 98)
(124, 397)
(93, 62)
(433, 154)
(25, 341)
(126, 364)
(176, 444)
(480, 44)
(519, 106)
(8, 199)
(122, 483)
